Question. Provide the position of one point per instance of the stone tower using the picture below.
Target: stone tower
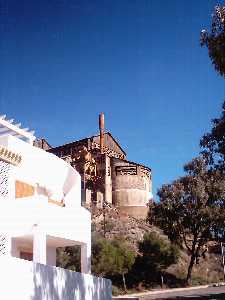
(107, 176)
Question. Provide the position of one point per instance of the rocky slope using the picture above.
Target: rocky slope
(110, 223)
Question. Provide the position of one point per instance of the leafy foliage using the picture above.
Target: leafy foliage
(111, 258)
(215, 40)
(156, 254)
(192, 209)
(213, 143)
(103, 256)
(69, 258)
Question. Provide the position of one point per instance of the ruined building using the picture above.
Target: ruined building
(107, 176)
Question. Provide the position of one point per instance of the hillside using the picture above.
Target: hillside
(112, 224)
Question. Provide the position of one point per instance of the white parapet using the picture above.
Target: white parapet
(26, 280)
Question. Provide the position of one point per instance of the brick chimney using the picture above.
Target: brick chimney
(101, 129)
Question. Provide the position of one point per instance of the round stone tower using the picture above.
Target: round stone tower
(131, 187)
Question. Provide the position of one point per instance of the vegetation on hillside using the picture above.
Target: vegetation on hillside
(156, 254)
(111, 258)
(191, 209)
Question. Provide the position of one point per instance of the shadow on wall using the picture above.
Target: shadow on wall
(57, 284)
(54, 283)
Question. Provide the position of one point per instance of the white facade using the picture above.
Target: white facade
(40, 205)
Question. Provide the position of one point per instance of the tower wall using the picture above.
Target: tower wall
(131, 187)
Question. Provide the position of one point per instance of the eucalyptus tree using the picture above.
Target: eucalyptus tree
(214, 39)
(191, 210)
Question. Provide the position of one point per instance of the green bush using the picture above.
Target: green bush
(69, 258)
(156, 254)
(111, 258)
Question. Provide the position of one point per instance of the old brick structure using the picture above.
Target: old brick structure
(107, 177)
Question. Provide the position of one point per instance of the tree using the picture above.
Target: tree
(124, 259)
(192, 209)
(213, 143)
(103, 256)
(111, 257)
(215, 40)
(69, 258)
(156, 254)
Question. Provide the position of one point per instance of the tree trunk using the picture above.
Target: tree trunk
(190, 267)
(193, 257)
(124, 282)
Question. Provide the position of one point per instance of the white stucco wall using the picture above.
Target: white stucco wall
(26, 280)
(46, 170)
(21, 218)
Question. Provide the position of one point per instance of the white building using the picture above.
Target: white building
(40, 203)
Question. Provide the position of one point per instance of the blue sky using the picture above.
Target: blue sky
(138, 61)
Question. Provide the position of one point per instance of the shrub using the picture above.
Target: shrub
(156, 254)
(111, 259)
